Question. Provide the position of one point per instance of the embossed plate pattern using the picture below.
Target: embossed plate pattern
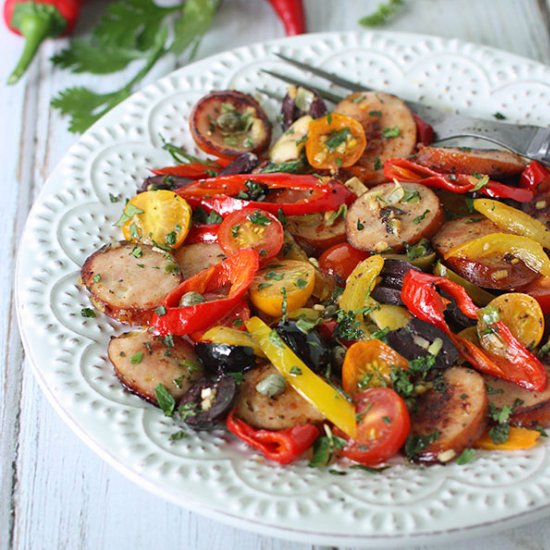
(210, 473)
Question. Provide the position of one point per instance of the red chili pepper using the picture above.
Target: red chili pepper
(217, 194)
(420, 296)
(203, 233)
(237, 270)
(291, 13)
(424, 131)
(37, 20)
(192, 170)
(407, 170)
(535, 175)
(282, 446)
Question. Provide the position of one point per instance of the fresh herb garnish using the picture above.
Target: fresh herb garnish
(127, 214)
(499, 116)
(391, 132)
(415, 444)
(420, 219)
(136, 358)
(87, 312)
(165, 400)
(467, 456)
(258, 218)
(130, 30)
(324, 449)
(235, 230)
(382, 14)
(482, 181)
(336, 139)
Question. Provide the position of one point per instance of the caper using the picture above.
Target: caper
(338, 354)
(229, 122)
(271, 386)
(191, 299)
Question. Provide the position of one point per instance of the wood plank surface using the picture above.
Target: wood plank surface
(57, 494)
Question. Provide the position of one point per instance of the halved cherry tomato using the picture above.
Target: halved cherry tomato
(340, 260)
(368, 364)
(251, 228)
(335, 141)
(520, 312)
(280, 282)
(383, 426)
(228, 123)
(539, 289)
(203, 233)
(156, 217)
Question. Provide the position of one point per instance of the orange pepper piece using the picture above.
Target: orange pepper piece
(519, 439)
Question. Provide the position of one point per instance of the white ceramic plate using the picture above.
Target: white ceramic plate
(208, 473)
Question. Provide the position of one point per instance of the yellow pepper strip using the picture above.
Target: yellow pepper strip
(232, 337)
(525, 249)
(519, 439)
(478, 295)
(305, 313)
(326, 399)
(514, 220)
(360, 283)
(388, 315)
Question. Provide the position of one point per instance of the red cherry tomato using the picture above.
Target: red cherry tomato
(383, 426)
(539, 289)
(340, 260)
(251, 228)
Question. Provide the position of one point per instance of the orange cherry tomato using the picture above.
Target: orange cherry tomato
(251, 228)
(368, 364)
(335, 141)
(340, 260)
(383, 425)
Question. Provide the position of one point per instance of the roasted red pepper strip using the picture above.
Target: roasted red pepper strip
(283, 446)
(407, 170)
(424, 131)
(535, 175)
(237, 270)
(193, 170)
(291, 14)
(236, 319)
(203, 233)
(420, 296)
(217, 194)
(35, 21)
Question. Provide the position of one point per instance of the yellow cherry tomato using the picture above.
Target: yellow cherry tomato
(156, 217)
(520, 313)
(280, 282)
(335, 141)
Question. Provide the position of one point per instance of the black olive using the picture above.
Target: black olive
(314, 106)
(403, 341)
(204, 404)
(220, 358)
(454, 317)
(169, 183)
(309, 346)
(387, 295)
(243, 164)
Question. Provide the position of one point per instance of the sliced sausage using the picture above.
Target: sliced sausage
(490, 272)
(389, 127)
(534, 408)
(143, 361)
(457, 412)
(193, 258)
(229, 123)
(463, 160)
(539, 208)
(390, 215)
(283, 411)
(128, 281)
(316, 230)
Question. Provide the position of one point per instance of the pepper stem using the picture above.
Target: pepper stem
(34, 28)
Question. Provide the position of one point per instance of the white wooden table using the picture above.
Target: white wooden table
(56, 494)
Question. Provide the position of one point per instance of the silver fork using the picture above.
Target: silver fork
(528, 141)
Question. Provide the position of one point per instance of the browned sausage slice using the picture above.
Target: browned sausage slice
(283, 411)
(534, 408)
(458, 414)
(489, 272)
(129, 281)
(142, 362)
(317, 230)
(389, 127)
(490, 162)
(390, 215)
(195, 257)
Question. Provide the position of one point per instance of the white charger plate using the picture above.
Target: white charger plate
(210, 473)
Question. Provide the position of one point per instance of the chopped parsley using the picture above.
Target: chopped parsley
(420, 219)
(415, 444)
(160, 311)
(259, 219)
(499, 116)
(87, 312)
(96, 278)
(235, 230)
(114, 198)
(391, 132)
(165, 400)
(467, 456)
(128, 213)
(336, 139)
(295, 371)
(324, 449)
(136, 358)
